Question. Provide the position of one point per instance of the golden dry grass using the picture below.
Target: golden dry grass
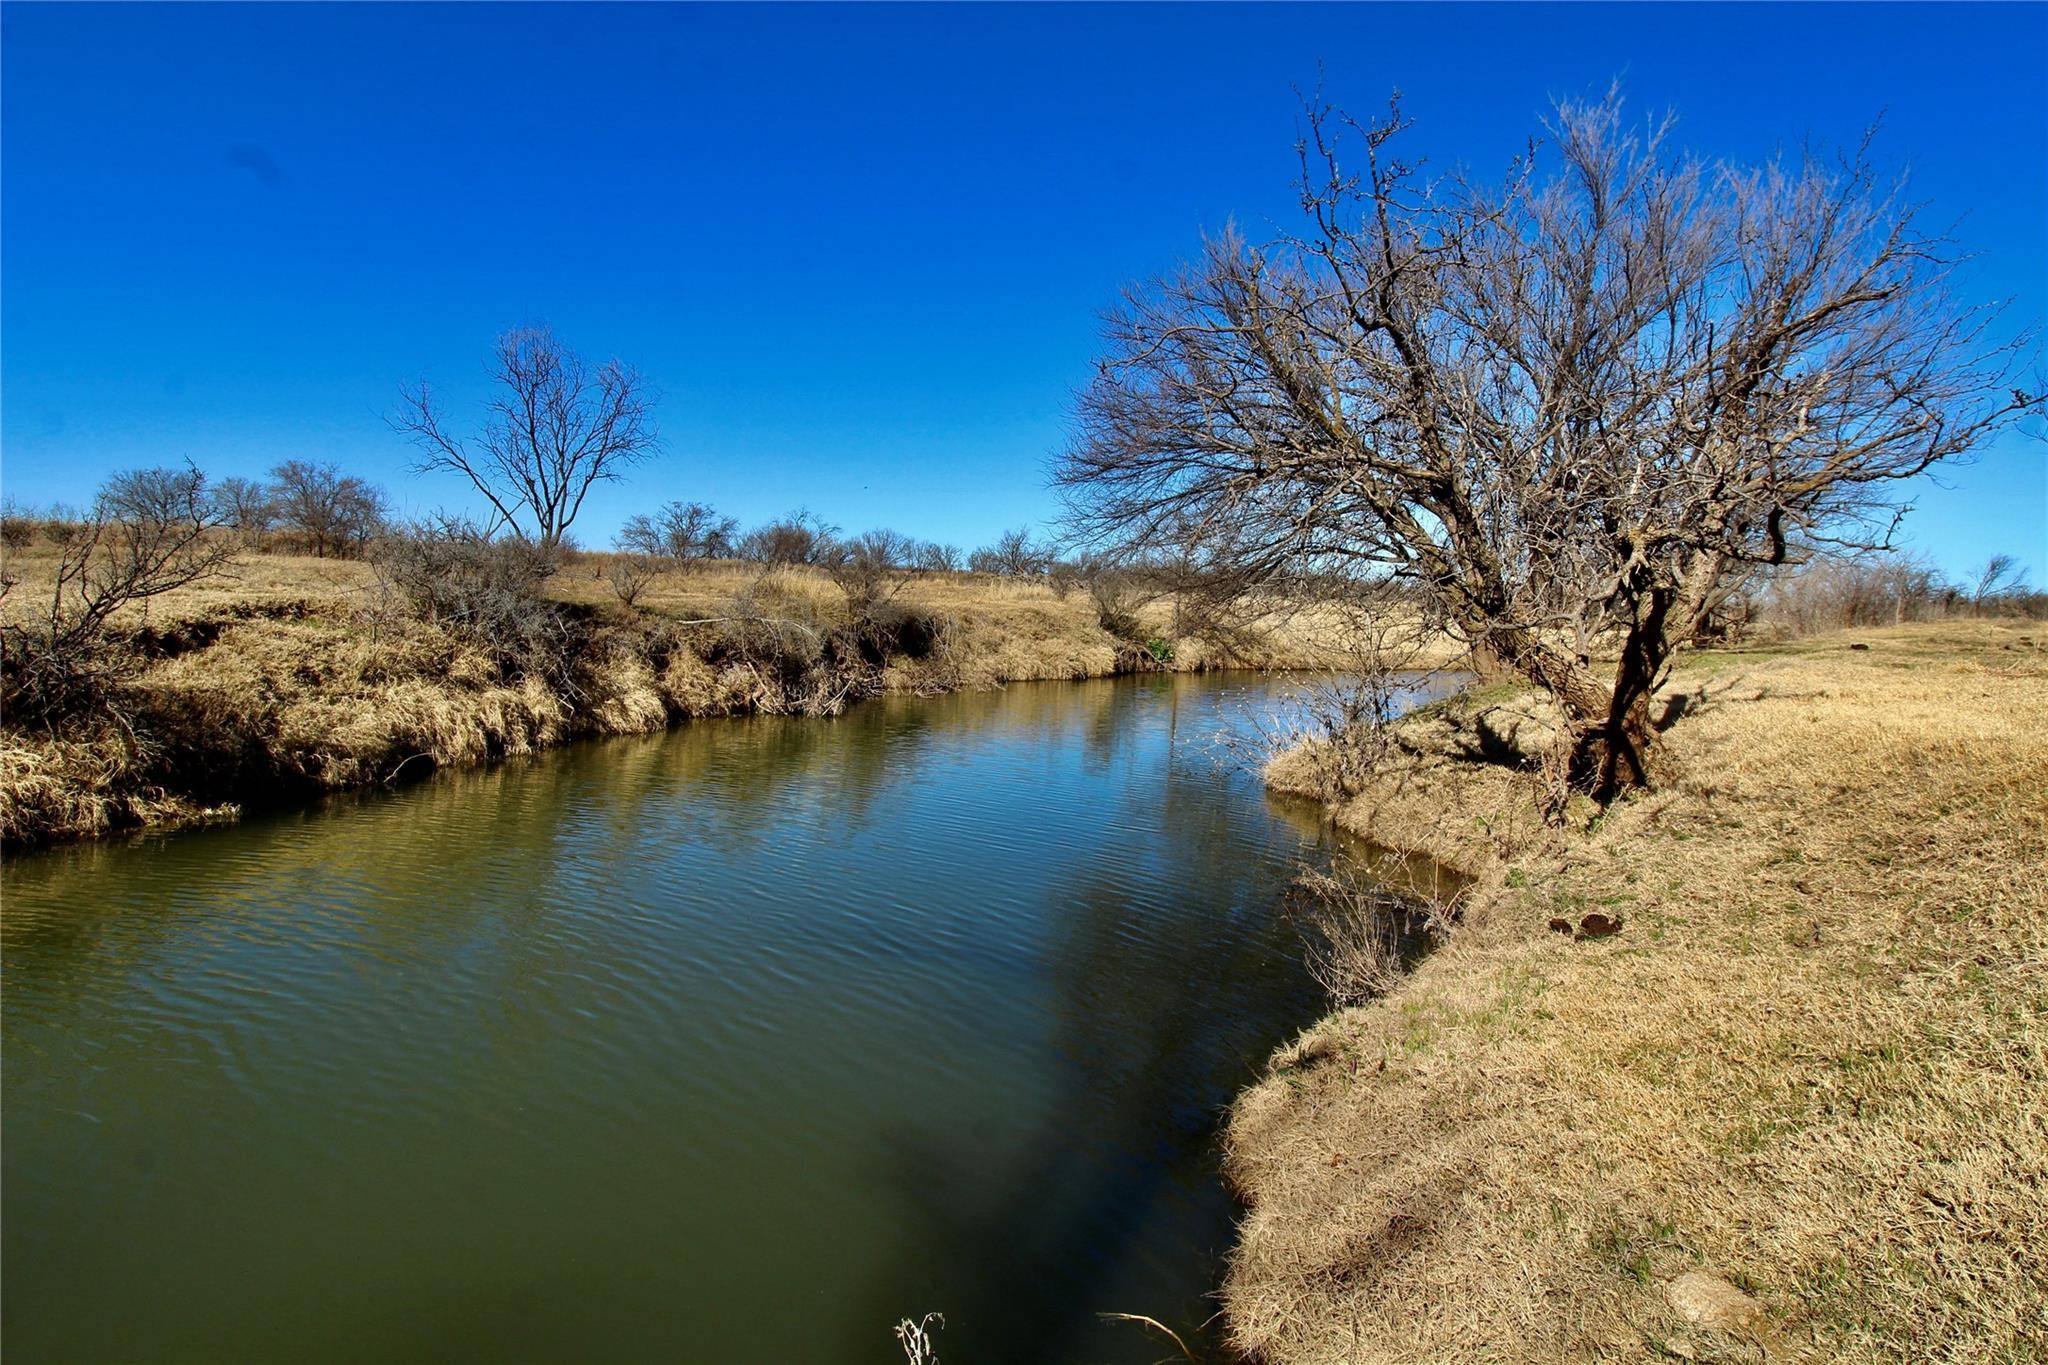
(1814, 1061)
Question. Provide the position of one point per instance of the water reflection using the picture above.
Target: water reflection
(736, 1043)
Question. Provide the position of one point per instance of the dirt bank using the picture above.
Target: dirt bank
(1810, 1065)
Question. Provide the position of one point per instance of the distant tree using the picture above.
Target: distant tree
(63, 523)
(556, 429)
(246, 507)
(799, 538)
(680, 531)
(631, 574)
(1014, 555)
(1568, 406)
(2001, 575)
(334, 513)
(936, 558)
(17, 525)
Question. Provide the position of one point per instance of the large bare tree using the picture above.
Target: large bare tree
(555, 428)
(1569, 405)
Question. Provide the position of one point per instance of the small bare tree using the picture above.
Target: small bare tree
(914, 1335)
(17, 525)
(150, 532)
(934, 557)
(1565, 406)
(556, 429)
(2001, 576)
(1014, 555)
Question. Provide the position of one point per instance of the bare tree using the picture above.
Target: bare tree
(17, 525)
(871, 569)
(335, 513)
(246, 507)
(1565, 406)
(802, 537)
(1014, 555)
(934, 557)
(2000, 576)
(555, 429)
(680, 531)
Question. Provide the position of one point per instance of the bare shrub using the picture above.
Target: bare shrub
(247, 507)
(870, 569)
(631, 574)
(914, 1336)
(2001, 577)
(17, 526)
(933, 557)
(454, 574)
(555, 429)
(1362, 935)
(63, 524)
(1119, 594)
(1355, 949)
(1836, 592)
(799, 538)
(775, 637)
(150, 532)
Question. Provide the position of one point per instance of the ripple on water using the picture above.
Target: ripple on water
(735, 1043)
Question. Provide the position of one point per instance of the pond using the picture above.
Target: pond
(738, 1043)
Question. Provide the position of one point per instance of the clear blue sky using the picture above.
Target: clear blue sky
(861, 249)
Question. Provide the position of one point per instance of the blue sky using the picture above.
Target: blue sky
(861, 249)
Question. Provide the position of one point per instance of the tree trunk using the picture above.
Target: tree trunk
(1613, 751)
(1608, 746)
(1613, 746)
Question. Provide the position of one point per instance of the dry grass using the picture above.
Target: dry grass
(1814, 1060)
(297, 674)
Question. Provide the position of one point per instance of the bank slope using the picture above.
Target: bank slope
(1808, 1074)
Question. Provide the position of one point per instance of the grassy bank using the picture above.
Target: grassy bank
(291, 676)
(1810, 1066)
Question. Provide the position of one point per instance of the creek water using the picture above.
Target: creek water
(738, 1043)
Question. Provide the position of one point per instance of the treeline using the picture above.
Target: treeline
(1837, 593)
(315, 509)
(69, 649)
(302, 508)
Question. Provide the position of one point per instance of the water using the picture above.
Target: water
(735, 1044)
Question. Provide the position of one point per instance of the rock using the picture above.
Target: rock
(1708, 1300)
(1597, 925)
